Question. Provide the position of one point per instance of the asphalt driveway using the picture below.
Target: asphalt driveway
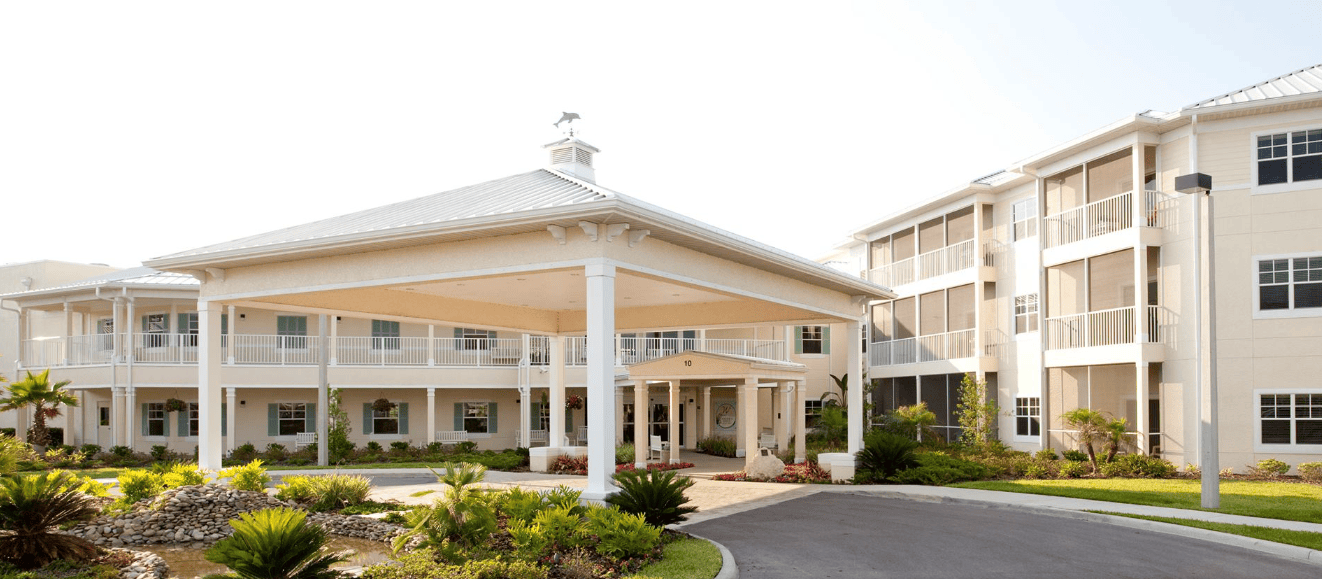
(850, 535)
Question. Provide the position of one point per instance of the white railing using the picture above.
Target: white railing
(1109, 215)
(365, 351)
(43, 353)
(937, 262)
(770, 349)
(90, 349)
(893, 274)
(165, 348)
(1109, 327)
(930, 348)
(478, 351)
(274, 350)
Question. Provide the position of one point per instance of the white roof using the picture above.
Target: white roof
(131, 277)
(1302, 81)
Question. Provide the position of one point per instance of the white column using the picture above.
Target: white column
(117, 426)
(673, 435)
(431, 345)
(1139, 203)
(335, 341)
(431, 414)
(748, 401)
(68, 332)
(116, 340)
(600, 379)
(231, 346)
(741, 449)
(208, 385)
(708, 429)
(784, 389)
(800, 423)
(323, 391)
(525, 415)
(854, 365)
(74, 430)
(130, 391)
(641, 424)
(702, 340)
(1140, 296)
(231, 417)
(1141, 406)
(556, 436)
(130, 349)
(619, 415)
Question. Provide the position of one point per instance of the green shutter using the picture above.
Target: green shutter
(272, 420)
(281, 325)
(144, 419)
(403, 417)
(569, 420)
(310, 418)
(535, 420)
(224, 324)
(459, 345)
(144, 324)
(458, 415)
(165, 424)
(798, 339)
(367, 418)
(183, 423)
(183, 323)
(224, 419)
(826, 339)
(492, 423)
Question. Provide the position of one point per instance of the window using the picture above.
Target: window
(188, 326)
(1027, 416)
(1025, 218)
(385, 335)
(470, 339)
(386, 421)
(103, 416)
(192, 419)
(1025, 313)
(156, 419)
(1290, 157)
(475, 417)
(293, 418)
(292, 331)
(154, 329)
(1290, 283)
(812, 412)
(1291, 418)
(812, 340)
(105, 334)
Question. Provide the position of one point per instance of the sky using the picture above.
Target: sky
(131, 130)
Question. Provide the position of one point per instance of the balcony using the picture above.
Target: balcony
(357, 351)
(1109, 328)
(1108, 216)
(931, 348)
(939, 262)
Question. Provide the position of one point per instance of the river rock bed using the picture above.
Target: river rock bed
(200, 515)
(143, 565)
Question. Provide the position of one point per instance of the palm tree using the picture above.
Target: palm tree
(1091, 426)
(44, 397)
(31, 509)
(1116, 432)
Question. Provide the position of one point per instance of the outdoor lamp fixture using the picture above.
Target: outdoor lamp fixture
(1200, 186)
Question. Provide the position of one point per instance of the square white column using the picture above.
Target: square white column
(641, 425)
(431, 415)
(800, 422)
(208, 385)
(525, 415)
(1141, 407)
(673, 435)
(748, 401)
(323, 391)
(600, 380)
(706, 412)
(854, 366)
(785, 424)
(555, 437)
(231, 402)
(229, 347)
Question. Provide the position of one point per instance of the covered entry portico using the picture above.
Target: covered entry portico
(543, 254)
(707, 370)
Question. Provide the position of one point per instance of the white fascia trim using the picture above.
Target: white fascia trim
(1125, 123)
(70, 292)
(1196, 109)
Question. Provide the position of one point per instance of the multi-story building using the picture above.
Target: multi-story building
(1067, 280)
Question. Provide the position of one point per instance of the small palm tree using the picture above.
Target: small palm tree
(31, 507)
(44, 397)
(1091, 426)
(1116, 432)
(276, 544)
(462, 517)
(656, 495)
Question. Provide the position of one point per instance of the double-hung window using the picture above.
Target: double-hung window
(813, 340)
(1025, 313)
(292, 331)
(156, 419)
(192, 418)
(1028, 416)
(477, 417)
(155, 328)
(1290, 419)
(1025, 218)
(471, 339)
(293, 418)
(105, 334)
(812, 412)
(385, 335)
(1289, 157)
(385, 421)
(1292, 283)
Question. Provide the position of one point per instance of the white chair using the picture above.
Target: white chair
(304, 439)
(657, 447)
(538, 436)
(582, 436)
(451, 436)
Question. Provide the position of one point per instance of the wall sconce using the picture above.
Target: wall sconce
(243, 316)
(243, 403)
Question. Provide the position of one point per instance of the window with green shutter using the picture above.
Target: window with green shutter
(292, 331)
(385, 335)
(291, 418)
(386, 421)
(477, 417)
(156, 421)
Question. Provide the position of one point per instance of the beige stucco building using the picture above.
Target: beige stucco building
(1064, 284)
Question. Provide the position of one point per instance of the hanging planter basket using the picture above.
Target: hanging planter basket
(383, 405)
(175, 405)
(574, 401)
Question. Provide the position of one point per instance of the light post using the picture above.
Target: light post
(1200, 185)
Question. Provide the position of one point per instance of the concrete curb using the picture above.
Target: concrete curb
(728, 568)
(1303, 554)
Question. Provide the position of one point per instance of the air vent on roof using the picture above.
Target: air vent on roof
(583, 156)
(573, 157)
(562, 155)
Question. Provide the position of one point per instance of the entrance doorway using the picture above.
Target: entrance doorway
(660, 419)
(104, 432)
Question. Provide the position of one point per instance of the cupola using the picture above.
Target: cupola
(573, 157)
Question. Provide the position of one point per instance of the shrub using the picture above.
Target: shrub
(1071, 469)
(656, 495)
(121, 451)
(276, 452)
(399, 447)
(564, 464)
(249, 477)
(566, 498)
(90, 449)
(1139, 466)
(325, 493)
(275, 544)
(421, 564)
(1075, 455)
(11, 451)
(30, 509)
(1045, 454)
(936, 468)
(184, 474)
(621, 535)
(137, 485)
(558, 526)
(1268, 468)
(883, 455)
(461, 518)
(465, 447)
(625, 454)
(519, 504)
(84, 484)
(527, 538)
(245, 452)
(435, 448)
(717, 446)
(160, 452)
(374, 447)
(1310, 471)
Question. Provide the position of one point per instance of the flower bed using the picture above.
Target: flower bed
(579, 465)
(656, 466)
(803, 473)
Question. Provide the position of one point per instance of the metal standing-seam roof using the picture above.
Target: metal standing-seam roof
(1302, 81)
(133, 276)
(524, 192)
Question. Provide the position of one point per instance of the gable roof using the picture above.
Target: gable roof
(133, 277)
(1302, 81)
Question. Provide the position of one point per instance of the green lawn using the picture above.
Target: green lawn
(1297, 538)
(1271, 500)
(685, 559)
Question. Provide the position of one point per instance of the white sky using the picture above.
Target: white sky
(130, 130)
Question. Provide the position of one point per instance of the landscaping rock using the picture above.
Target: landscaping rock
(144, 565)
(201, 514)
(765, 466)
